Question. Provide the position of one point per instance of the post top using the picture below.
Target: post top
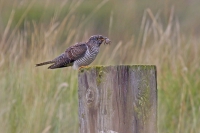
(100, 67)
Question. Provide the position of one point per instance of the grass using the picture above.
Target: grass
(41, 100)
(32, 105)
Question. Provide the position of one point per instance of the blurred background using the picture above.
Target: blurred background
(162, 33)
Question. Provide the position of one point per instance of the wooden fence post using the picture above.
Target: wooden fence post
(118, 99)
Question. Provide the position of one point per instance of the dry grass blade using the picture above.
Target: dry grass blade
(5, 34)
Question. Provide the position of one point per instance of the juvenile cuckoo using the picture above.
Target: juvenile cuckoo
(78, 55)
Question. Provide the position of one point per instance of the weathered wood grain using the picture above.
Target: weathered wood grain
(118, 99)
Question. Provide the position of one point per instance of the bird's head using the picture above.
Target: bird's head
(98, 40)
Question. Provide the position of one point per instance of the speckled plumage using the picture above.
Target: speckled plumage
(80, 54)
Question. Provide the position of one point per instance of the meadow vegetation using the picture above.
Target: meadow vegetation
(34, 100)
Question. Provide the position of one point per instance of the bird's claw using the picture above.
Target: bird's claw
(82, 67)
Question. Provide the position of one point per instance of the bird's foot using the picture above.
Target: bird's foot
(82, 67)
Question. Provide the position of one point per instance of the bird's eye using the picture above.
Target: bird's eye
(100, 38)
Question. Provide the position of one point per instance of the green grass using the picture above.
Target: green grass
(36, 100)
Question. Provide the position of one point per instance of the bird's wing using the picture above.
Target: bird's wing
(76, 51)
(69, 56)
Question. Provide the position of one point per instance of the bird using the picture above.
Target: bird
(78, 55)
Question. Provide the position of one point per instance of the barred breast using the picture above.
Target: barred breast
(87, 59)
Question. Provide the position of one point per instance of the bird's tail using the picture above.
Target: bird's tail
(44, 63)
